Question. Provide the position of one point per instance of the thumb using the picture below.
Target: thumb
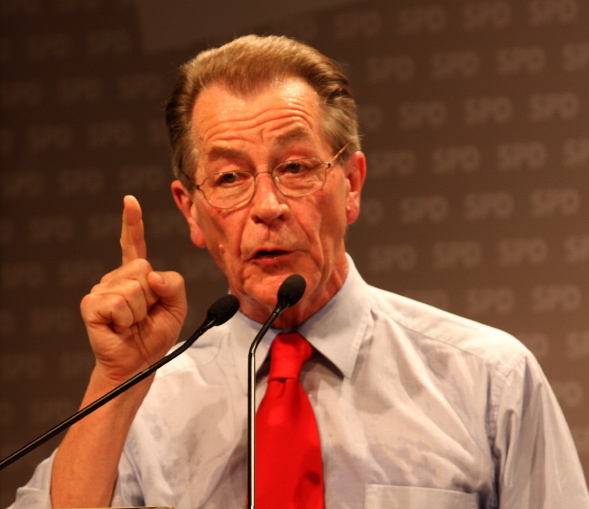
(170, 288)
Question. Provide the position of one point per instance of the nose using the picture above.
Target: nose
(268, 203)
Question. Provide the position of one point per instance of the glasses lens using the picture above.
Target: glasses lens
(299, 177)
(228, 189)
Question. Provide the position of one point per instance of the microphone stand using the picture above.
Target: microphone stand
(289, 293)
(251, 412)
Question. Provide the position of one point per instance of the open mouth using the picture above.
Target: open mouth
(270, 254)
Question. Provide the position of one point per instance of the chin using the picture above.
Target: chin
(259, 295)
(265, 291)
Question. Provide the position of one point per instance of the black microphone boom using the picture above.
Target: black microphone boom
(290, 292)
(220, 311)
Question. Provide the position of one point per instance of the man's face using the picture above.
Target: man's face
(261, 243)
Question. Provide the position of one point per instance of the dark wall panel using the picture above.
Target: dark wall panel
(475, 117)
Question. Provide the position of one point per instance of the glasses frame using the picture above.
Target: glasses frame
(328, 166)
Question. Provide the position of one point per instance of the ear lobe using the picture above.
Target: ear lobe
(185, 202)
(355, 174)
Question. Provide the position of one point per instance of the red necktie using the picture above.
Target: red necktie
(289, 471)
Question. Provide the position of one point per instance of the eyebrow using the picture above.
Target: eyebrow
(295, 134)
(216, 153)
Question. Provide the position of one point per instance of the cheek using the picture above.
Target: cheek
(224, 234)
(216, 246)
(204, 231)
(329, 223)
(335, 211)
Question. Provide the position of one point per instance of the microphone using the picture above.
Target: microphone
(220, 311)
(290, 292)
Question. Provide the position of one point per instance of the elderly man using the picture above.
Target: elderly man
(412, 407)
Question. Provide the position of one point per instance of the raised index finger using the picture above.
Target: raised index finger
(132, 237)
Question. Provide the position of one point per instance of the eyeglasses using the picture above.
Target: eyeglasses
(298, 177)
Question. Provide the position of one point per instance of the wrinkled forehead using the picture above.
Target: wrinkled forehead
(280, 113)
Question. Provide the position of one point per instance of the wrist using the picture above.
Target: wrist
(102, 383)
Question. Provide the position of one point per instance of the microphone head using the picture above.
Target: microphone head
(223, 309)
(291, 290)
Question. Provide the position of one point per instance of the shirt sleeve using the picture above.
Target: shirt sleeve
(538, 465)
(36, 493)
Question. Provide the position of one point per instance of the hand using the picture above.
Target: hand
(133, 317)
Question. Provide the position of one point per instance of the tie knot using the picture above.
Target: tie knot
(289, 353)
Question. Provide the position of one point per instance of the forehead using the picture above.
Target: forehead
(277, 114)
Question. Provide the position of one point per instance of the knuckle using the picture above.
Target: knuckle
(86, 302)
(134, 288)
(118, 302)
(139, 266)
(98, 287)
(106, 278)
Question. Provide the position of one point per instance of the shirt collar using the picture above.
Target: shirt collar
(336, 330)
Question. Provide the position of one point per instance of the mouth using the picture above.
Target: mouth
(270, 255)
(264, 254)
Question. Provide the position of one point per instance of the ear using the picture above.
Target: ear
(355, 171)
(185, 201)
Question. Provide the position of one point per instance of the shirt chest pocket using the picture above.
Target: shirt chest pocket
(408, 497)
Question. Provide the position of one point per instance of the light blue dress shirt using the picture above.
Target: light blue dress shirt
(416, 408)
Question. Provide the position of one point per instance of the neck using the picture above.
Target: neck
(313, 300)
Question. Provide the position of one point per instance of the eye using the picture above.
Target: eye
(230, 178)
(292, 167)
(298, 166)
